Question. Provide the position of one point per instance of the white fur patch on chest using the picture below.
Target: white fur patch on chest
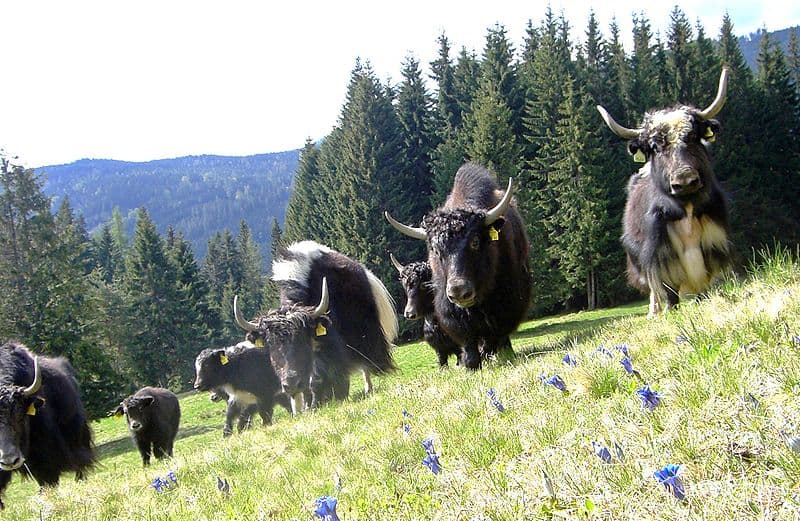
(239, 396)
(689, 236)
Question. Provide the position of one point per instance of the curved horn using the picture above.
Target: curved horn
(322, 307)
(414, 233)
(240, 321)
(396, 263)
(616, 128)
(37, 379)
(501, 207)
(719, 101)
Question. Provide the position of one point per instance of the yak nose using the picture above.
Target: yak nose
(10, 461)
(292, 383)
(410, 314)
(685, 182)
(136, 425)
(460, 292)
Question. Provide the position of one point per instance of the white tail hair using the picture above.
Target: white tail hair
(297, 270)
(385, 304)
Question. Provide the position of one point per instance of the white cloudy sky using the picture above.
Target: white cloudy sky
(155, 79)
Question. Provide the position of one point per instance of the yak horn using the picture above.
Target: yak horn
(414, 233)
(616, 128)
(396, 263)
(324, 300)
(501, 207)
(37, 379)
(240, 321)
(719, 101)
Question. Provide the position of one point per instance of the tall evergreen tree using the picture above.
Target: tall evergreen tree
(644, 89)
(305, 202)
(447, 113)
(679, 42)
(492, 141)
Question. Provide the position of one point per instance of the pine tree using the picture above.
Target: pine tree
(644, 90)
(492, 142)
(250, 284)
(793, 57)
(447, 113)
(499, 74)
(679, 38)
(305, 202)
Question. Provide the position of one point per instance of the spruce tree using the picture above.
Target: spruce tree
(305, 201)
(447, 113)
(492, 141)
(679, 40)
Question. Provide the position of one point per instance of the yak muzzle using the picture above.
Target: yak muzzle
(11, 460)
(410, 313)
(685, 182)
(135, 426)
(461, 292)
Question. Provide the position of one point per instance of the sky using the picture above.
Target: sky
(145, 80)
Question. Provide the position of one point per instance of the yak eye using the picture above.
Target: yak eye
(475, 243)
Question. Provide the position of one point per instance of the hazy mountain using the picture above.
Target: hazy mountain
(750, 43)
(198, 195)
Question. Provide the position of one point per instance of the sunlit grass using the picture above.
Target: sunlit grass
(730, 385)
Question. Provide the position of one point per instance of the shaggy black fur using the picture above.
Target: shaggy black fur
(57, 438)
(153, 415)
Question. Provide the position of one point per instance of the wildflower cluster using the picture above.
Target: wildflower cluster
(495, 401)
(431, 459)
(650, 398)
(325, 508)
(555, 381)
(569, 360)
(164, 483)
(406, 419)
(668, 476)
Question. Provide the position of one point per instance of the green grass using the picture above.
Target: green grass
(728, 390)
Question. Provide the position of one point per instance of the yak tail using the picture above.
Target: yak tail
(385, 304)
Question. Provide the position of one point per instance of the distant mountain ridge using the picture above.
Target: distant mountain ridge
(198, 195)
(750, 43)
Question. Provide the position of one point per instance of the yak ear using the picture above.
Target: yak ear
(33, 404)
(498, 223)
(146, 401)
(119, 411)
(639, 150)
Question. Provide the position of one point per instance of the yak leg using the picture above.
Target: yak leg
(246, 417)
(471, 355)
(367, 381)
(233, 411)
(5, 478)
(144, 450)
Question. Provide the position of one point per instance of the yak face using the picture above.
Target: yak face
(674, 143)
(15, 411)
(137, 411)
(463, 253)
(289, 334)
(208, 368)
(416, 280)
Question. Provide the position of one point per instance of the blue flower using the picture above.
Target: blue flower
(627, 364)
(325, 508)
(796, 340)
(680, 339)
(668, 476)
(623, 348)
(556, 382)
(432, 462)
(569, 360)
(650, 398)
(407, 428)
(428, 444)
(601, 451)
(406, 414)
(605, 351)
(160, 484)
(172, 477)
(495, 400)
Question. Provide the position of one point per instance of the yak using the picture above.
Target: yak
(247, 378)
(44, 429)
(354, 332)
(478, 254)
(153, 415)
(675, 222)
(416, 280)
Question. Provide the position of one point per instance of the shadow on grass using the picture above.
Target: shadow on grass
(561, 332)
(125, 444)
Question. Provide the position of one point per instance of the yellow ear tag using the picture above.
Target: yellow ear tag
(119, 414)
(223, 359)
(31, 410)
(259, 342)
(321, 331)
(493, 234)
(709, 135)
(639, 157)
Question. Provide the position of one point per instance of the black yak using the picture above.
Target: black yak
(314, 350)
(675, 224)
(246, 375)
(44, 430)
(478, 253)
(153, 415)
(416, 280)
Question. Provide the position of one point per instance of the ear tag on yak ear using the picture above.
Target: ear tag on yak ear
(119, 414)
(709, 135)
(31, 410)
(321, 331)
(494, 234)
(639, 157)
(259, 342)
(223, 359)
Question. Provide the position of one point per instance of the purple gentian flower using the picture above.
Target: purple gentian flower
(159, 484)
(432, 462)
(668, 476)
(172, 477)
(623, 348)
(428, 444)
(627, 364)
(556, 382)
(495, 400)
(796, 340)
(650, 398)
(680, 339)
(569, 360)
(601, 451)
(406, 426)
(605, 351)
(325, 508)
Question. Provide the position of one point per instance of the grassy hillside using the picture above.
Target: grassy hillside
(727, 369)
